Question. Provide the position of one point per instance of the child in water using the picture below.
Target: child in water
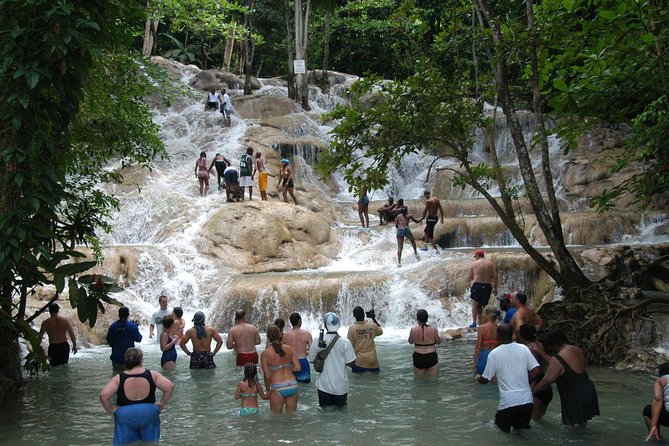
(248, 390)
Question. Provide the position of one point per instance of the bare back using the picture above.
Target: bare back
(243, 337)
(482, 271)
(299, 340)
(424, 338)
(432, 205)
(56, 327)
(202, 344)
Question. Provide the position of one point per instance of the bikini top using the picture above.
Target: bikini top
(122, 399)
(424, 345)
(277, 367)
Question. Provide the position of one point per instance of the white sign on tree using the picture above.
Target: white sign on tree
(299, 66)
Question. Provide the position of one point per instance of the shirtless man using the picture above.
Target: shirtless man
(386, 212)
(483, 279)
(403, 231)
(432, 205)
(243, 338)
(57, 328)
(300, 341)
(221, 163)
(262, 175)
(286, 184)
(201, 336)
(523, 315)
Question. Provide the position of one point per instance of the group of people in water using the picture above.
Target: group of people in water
(235, 180)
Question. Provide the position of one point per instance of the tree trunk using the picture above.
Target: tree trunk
(570, 275)
(248, 49)
(325, 82)
(229, 47)
(291, 72)
(150, 30)
(302, 8)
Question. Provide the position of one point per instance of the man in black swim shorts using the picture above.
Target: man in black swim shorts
(483, 277)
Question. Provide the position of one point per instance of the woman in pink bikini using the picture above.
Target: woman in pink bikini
(202, 173)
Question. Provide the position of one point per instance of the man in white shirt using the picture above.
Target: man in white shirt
(226, 107)
(333, 381)
(511, 362)
(157, 317)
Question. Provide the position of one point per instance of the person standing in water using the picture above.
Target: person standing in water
(57, 328)
(226, 107)
(201, 336)
(286, 184)
(424, 339)
(300, 341)
(262, 176)
(403, 231)
(432, 206)
(483, 279)
(202, 174)
(248, 390)
(246, 172)
(221, 163)
(243, 338)
(363, 208)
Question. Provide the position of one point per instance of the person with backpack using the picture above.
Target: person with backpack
(335, 353)
(246, 172)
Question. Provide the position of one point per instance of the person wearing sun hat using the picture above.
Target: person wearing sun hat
(332, 383)
(483, 279)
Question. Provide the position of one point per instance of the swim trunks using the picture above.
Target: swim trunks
(262, 181)
(430, 223)
(664, 415)
(245, 181)
(546, 396)
(404, 232)
(364, 199)
(212, 105)
(243, 358)
(327, 399)
(59, 353)
(248, 411)
(517, 417)
(482, 361)
(137, 422)
(304, 375)
(358, 369)
(425, 361)
(202, 360)
(480, 292)
(286, 389)
(288, 183)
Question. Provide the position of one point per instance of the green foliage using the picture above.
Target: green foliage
(388, 120)
(74, 98)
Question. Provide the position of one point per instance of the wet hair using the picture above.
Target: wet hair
(123, 313)
(521, 297)
(249, 150)
(168, 321)
(528, 332)
(391, 199)
(663, 369)
(359, 313)
(491, 311)
(274, 338)
(178, 312)
(505, 304)
(239, 315)
(421, 316)
(504, 332)
(250, 374)
(133, 357)
(400, 202)
(553, 339)
(280, 322)
(54, 308)
(295, 319)
(162, 295)
(426, 193)
(258, 154)
(203, 154)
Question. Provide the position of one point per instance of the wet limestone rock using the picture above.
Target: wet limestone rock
(260, 236)
(207, 80)
(264, 107)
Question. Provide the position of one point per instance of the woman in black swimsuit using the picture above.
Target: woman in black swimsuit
(424, 338)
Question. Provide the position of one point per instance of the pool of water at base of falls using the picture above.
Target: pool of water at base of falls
(390, 408)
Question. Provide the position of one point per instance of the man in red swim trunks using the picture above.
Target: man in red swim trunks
(243, 338)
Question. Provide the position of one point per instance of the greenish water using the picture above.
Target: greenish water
(392, 408)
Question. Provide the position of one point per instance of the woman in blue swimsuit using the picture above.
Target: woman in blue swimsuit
(363, 208)
(278, 362)
(168, 342)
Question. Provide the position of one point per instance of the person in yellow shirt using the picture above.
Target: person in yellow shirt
(362, 334)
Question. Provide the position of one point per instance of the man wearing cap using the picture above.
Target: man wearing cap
(507, 307)
(201, 336)
(333, 381)
(243, 338)
(483, 279)
(57, 328)
(286, 184)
